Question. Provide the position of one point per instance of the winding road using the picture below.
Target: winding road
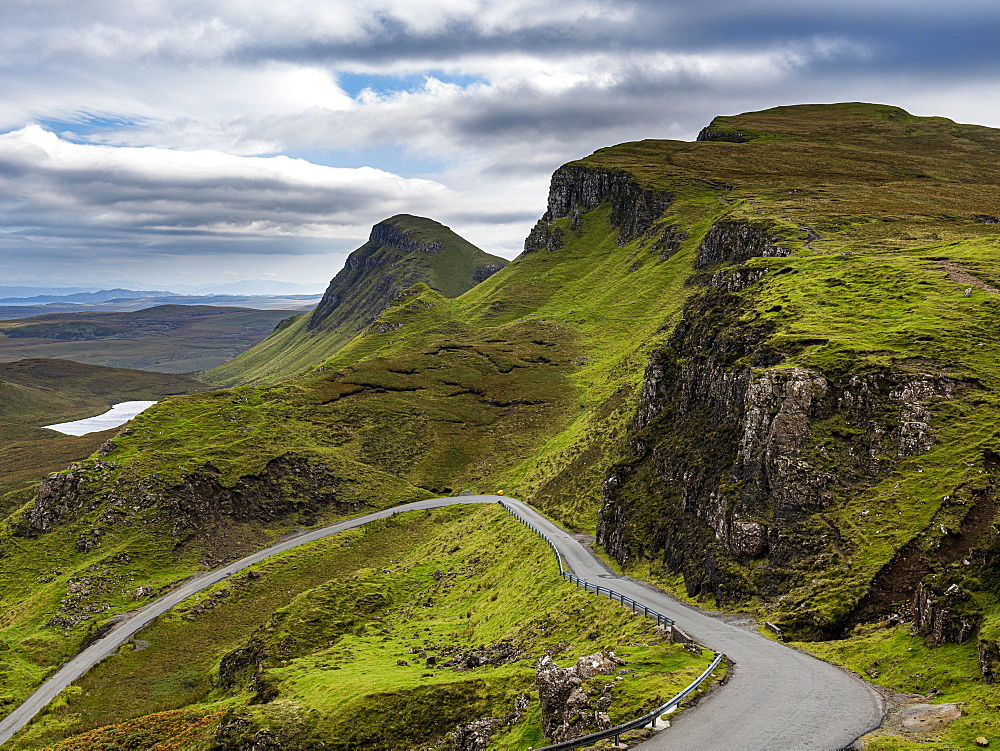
(776, 699)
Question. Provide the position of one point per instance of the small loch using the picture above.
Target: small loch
(119, 414)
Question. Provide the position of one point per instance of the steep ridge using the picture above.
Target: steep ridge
(407, 250)
(740, 360)
(402, 251)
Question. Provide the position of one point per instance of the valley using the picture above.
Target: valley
(760, 368)
(161, 338)
(36, 392)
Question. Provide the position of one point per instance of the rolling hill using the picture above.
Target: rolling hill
(161, 338)
(761, 367)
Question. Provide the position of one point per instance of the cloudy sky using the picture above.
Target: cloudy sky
(204, 141)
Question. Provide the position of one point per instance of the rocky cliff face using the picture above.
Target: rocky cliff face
(731, 452)
(387, 233)
(733, 242)
(400, 252)
(574, 190)
(199, 503)
(707, 134)
(946, 616)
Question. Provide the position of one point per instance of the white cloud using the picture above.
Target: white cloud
(199, 95)
(68, 190)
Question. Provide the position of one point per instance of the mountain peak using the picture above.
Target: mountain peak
(401, 251)
(405, 232)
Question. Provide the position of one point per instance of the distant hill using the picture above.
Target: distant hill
(31, 290)
(164, 338)
(101, 296)
(297, 303)
(401, 252)
(256, 287)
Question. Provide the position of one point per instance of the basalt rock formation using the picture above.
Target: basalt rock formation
(942, 617)
(572, 703)
(732, 452)
(287, 487)
(575, 190)
(401, 251)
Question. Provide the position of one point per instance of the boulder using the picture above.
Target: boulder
(573, 703)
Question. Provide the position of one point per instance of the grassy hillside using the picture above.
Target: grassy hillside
(164, 338)
(402, 251)
(761, 365)
(364, 641)
(43, 392)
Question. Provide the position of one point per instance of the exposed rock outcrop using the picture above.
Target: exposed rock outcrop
(573, 704)
(476, 735)
(923, 718)
(576, 189)
(63, 494)
(730, 453)
(707, 134)
(473, 736)
(544, 236)
(387, 233)
(499, 653)
(734, 242)
(735, 280)
(989, 659)
(285, 727)
(668, 241)
(482, 273)
(944, 617)
(286, 485)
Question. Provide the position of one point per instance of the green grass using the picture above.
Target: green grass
(331, 620)
(528, 382)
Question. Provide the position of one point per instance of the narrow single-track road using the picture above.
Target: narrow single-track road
(776, 699)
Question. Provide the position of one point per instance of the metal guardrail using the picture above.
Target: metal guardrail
(650, 717)
(637, 607)
(647, 719)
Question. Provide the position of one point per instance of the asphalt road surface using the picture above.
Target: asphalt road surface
(776, 699)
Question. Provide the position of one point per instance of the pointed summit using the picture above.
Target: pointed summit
(401, 251)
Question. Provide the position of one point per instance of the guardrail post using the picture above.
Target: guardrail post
(634, 605)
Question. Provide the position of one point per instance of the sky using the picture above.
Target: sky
(189, 142)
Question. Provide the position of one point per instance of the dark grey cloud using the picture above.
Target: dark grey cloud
(539, 84)
(899, 33)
